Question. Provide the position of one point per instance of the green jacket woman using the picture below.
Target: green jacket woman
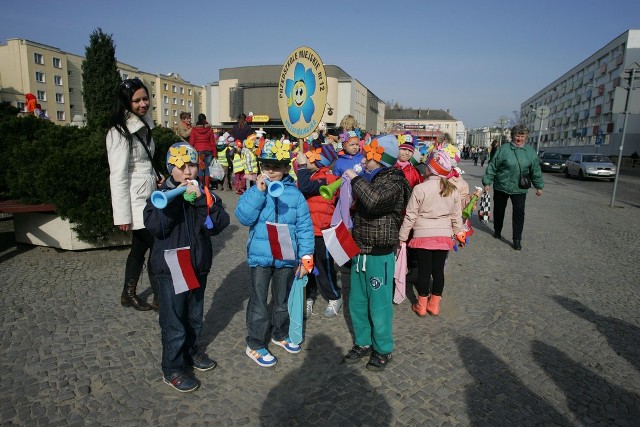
(504, 172)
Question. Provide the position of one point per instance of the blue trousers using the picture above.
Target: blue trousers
(262, 325)
(181, 318)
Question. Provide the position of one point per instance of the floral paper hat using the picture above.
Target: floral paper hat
(383, 149)
(274, 151)
(322, 155)
(179, 154)
(406, 141)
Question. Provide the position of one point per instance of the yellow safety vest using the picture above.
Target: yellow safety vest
(222, 157)
(238, 163)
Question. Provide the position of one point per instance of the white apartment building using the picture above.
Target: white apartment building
(583, 103)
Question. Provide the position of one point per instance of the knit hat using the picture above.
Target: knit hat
(406, 141)
(179, 154)
(439, 163)
(274, 151)
(383, 149)
(321, 156)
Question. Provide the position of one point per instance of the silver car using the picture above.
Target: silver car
(590, 165)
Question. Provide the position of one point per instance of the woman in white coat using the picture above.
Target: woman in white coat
(132, 179)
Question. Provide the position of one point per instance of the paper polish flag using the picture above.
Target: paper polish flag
(340, 244)
(280, 241)
(182, 275)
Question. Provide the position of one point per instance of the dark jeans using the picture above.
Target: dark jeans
(141, 242)
(327, 278)
(260, 324)
(430, 264)
(181, 318)
(517, 218)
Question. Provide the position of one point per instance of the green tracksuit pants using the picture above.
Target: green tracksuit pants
(371, 301)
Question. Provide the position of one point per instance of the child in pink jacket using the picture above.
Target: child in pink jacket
(435, 216)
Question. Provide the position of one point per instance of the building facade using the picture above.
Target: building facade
(254, 89)
(426, 124)
(584, 104)
(55, 78)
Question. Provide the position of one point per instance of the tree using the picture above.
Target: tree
(100, 78)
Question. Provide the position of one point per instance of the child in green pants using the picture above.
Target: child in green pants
(381, 193)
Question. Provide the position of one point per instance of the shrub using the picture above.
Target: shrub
(65, 166)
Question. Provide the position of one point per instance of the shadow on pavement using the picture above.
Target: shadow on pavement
(623, 337)
(497, 396)
(323, 391)
(590, 397)
(227, 300)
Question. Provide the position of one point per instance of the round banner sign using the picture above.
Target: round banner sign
(302, 92)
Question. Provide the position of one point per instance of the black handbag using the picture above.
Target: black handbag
(525, 178)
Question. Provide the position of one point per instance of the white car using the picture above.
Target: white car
(590, 165)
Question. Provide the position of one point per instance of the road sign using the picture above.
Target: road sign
(598, 140)
(542, 112)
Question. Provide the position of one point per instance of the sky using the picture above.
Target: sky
(479, 59)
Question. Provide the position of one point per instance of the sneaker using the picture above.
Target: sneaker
(378, 361)
(288, 345)
(356, 353)
(262, 356)
(309, 308)
(184, 383)
(202, 362)
(333, 307)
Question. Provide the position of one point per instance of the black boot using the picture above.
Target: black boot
(517, 245)
(130, 299)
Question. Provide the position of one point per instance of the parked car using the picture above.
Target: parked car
(589, 165)
(551, 162)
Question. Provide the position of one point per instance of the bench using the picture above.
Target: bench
(38, 224)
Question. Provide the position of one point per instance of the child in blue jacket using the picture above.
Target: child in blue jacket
(181, 258)
(273, 199)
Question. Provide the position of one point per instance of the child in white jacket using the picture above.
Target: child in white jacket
(434, 214)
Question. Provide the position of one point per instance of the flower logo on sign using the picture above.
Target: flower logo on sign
(299, 92)
(373, 151)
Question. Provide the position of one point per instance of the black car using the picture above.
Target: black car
(551, 162)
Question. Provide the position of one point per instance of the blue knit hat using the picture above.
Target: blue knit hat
(179, 154)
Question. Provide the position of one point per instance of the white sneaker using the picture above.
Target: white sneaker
(309, 308)
(333, 308)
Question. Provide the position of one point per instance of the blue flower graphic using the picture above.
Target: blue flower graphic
(299, 92)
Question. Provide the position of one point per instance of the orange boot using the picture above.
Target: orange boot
(433, 306)
(420, 308)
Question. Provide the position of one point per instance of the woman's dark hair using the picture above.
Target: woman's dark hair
(202, 120)
(121, 107)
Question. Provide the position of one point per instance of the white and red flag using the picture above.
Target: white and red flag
(340, 244)
(182, 274)
(280, 241)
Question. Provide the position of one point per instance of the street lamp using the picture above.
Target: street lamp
(542, 113)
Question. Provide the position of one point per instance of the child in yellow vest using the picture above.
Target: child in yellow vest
(250, 161)
(238, 168)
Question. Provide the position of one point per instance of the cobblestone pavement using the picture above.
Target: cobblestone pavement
(548, 335)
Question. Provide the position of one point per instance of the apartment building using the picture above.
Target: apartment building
(55, 78)
(585, 103)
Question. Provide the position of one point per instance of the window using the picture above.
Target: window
(125, 76)
(181, 90)
(166, 86)
(60, 115)
(165, 99)
(57, 80)
(70, 89)
(173, 88)
(166, 123)
(175, 101)
(181, 101)
(41, 95)
(38, 58)
(166, 111)
(69, 73)
(40, 76)
(190, 104)
(20, 105)
(57, 63)
(175, 113)
(190, 92)
(59, 98)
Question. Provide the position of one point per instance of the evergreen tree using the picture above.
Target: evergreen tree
(100, 78)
